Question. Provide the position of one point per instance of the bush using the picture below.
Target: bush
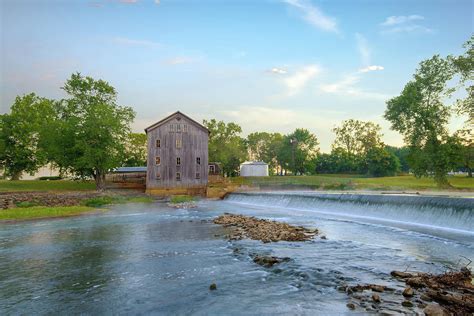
(98, 201)
(26, 204)
(175, 199)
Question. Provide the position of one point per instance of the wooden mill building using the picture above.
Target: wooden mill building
(177, 161)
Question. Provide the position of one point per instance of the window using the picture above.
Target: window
(185, 128)
(178, 176)
(178, 161)
(178, 128)
(179, 143)
(198, 160)
(158, 175)
(158, 160)
(212, 168)
(158, 143)
(198, 175)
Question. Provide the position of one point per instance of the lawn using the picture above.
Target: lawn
(356, 182)
(37, 212)
(38, 185)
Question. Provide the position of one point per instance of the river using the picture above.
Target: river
(153, 259)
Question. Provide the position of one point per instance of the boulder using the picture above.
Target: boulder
(434, 310)
(408, 292)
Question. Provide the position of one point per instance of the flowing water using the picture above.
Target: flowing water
(152, 259)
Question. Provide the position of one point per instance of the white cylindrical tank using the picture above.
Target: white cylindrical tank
(254, 169)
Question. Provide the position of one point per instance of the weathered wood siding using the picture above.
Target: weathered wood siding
(194, 145)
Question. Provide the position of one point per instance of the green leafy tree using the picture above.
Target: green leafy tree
(381, 162)
(299, 150)
(464, 66)
(464, 140)
(22, 135)
(357, 137)
(263, 146)
(135, 150)
(419, 114)
(226, 146)
(402, 155)
(91, 132)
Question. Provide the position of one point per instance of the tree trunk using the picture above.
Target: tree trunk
(469, 172)
(16, 175)
(99, 178)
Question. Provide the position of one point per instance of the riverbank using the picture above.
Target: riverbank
(42, 212)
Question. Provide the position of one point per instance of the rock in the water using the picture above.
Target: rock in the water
(426, 298)
(434, 310)
(376, 298)
(416, 282)
(407, 304)
(213, 287)
(268, 261)
(377, 288)
(408, 292)
(401, 274)
(351, 305)
(324, 237)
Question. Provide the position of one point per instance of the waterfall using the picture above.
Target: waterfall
(437, 212)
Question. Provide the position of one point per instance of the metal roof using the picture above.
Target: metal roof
(172, 116)
(130, 169)
(258, 163)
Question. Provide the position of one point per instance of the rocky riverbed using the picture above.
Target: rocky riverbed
(262, 229)
(451, 293)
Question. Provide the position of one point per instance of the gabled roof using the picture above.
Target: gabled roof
(169, 117)
(255, 163)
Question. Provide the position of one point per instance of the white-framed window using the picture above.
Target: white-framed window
(158, 143)
(198, 175)
(178, 176)
(185, 128)
(157, 160)
(178, 161)
(179, 143)
(198, 160)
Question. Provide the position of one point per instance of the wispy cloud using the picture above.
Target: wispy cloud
(404, 24)
(296, 82)
(348, 86)
(258, 116)
(371, 68)
(179, 60)
(129, 1)
(132, 42)
(344, 85)
(314, 16)
(157, 1)
(363, 48)
(278, 71)
(401, 19)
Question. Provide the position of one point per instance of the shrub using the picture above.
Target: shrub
(50, 178)
(175, 199)
(26, 204)
(98, 201)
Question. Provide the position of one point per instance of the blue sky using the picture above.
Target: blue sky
(267, 65)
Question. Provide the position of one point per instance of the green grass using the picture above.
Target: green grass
(175, 199)
(115, 199)
(348, 182)
(39, 185)
(25, 204)
(43, 212)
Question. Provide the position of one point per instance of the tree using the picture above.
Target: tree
(135, 150)
(419, 114)
(226, 146)
(464, 66)
(299, 150)
(357, 137)
(21, 135)
(263, 146)
(464, 140)
(88, 138)
(381, 163)
(402, 154)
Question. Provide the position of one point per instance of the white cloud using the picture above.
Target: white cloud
(258, 116)
(296, 82)
(371, 68)
(129, 1)
(314, 16)
(134, 42)
(401, 19)
(157, 1)
(278, 71)
(404, 24)
(180, 60)
(347, 86)
(363, 48)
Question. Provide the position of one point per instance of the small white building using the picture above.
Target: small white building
(254, 169)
